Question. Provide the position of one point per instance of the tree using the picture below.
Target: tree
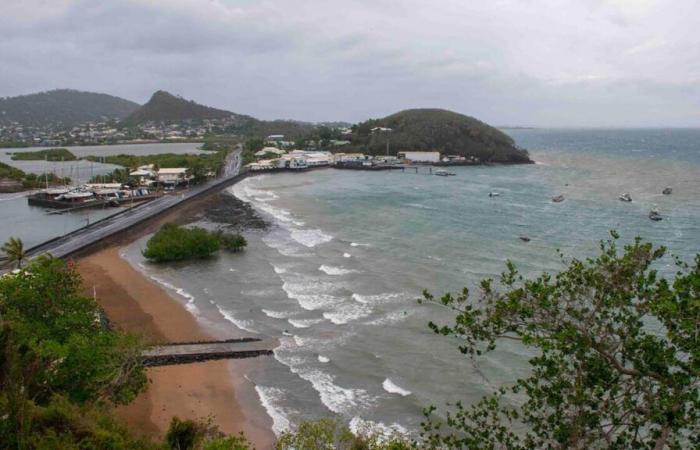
(616, 356)
(14, 249)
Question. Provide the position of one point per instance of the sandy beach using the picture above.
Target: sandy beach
(134, 303)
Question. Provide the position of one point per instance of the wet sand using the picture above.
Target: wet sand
(134, 303)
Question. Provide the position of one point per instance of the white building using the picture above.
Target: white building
(176, 175)
(267, 150)
(420, 157)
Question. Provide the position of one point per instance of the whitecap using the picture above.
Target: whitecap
(393, 388)
(244, 325)
(357, 244)
(390, 318)
(323, 359)
(303, 323)
(269, 398)
(346, 255)
(310, 238)
(347, 312)
(279, 270)
(331, 270)
(336, 398)
(278, 314)
(379, 298)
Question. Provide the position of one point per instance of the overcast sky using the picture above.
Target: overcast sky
(507, 62)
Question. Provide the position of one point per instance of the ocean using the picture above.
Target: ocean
(337, 275)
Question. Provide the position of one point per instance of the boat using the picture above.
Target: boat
(494, 194)
(655, 215)
(558, 199)
(668, 190)
(625, 197)
(524, 238)
(443, 173)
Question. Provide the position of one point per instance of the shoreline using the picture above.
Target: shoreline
(214, 389)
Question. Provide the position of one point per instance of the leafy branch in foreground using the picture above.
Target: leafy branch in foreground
(617, 356)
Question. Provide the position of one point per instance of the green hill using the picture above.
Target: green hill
(448, 132)
(166, 107)
(63, 107)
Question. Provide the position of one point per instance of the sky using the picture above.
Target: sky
(630, 63)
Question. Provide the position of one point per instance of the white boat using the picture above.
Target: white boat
(443, 173)
(494, 194)
(625, 197)
(655, 215)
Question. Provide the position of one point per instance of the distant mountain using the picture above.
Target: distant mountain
(440, 130)
(63, 107)
(166, 107)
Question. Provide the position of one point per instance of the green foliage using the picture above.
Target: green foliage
(115, 176)
(63, 340)
(201, 435)
(30, 180)
(327, 434)
(11, 172)
(616, 356)
(14, 250)
(437, 130)
(13, 144)
(51, 154)
(174, 243)
(61, 424)
(59, 368)
(232, 242)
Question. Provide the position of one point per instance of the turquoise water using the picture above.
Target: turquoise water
(337, 275)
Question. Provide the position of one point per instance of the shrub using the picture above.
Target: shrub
(175, 243)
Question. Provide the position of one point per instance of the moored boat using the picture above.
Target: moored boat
(558, 199)
(655, 215)
(625, 197)
(668, 190)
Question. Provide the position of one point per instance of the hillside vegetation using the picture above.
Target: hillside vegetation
(166, 107)
(64, 107)
(50, 154)
(448, 132)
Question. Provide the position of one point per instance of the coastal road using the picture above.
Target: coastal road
(84, 237)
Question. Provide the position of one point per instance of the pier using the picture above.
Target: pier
(191, 352)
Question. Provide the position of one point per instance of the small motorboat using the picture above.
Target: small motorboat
(494, 194)
(558, 199)
(625, 197)
(443, 173)
(524, 238)
(668, 190)
(655, 215)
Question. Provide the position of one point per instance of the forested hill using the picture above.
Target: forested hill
(166, 107)
(64, 107)
(448, 132)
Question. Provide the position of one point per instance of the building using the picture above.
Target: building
(267, 150)
(420, 157)
(274, 138)
(173, 176)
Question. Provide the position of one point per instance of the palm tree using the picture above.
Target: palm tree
(14, 249)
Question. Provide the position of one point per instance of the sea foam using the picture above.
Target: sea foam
(393, 388)
(269, 397)
(244, 325)
(331, 270)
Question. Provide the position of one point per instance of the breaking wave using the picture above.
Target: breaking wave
(393, 388)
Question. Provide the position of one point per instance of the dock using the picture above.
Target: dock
(192, 352)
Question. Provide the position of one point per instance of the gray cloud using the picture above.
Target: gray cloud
(535, 62)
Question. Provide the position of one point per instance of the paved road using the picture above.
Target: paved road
(84, 237)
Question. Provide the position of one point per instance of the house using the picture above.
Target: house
(274, 138)
(383, 129)
(267, 150)
(173, 176)
(420, 157)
